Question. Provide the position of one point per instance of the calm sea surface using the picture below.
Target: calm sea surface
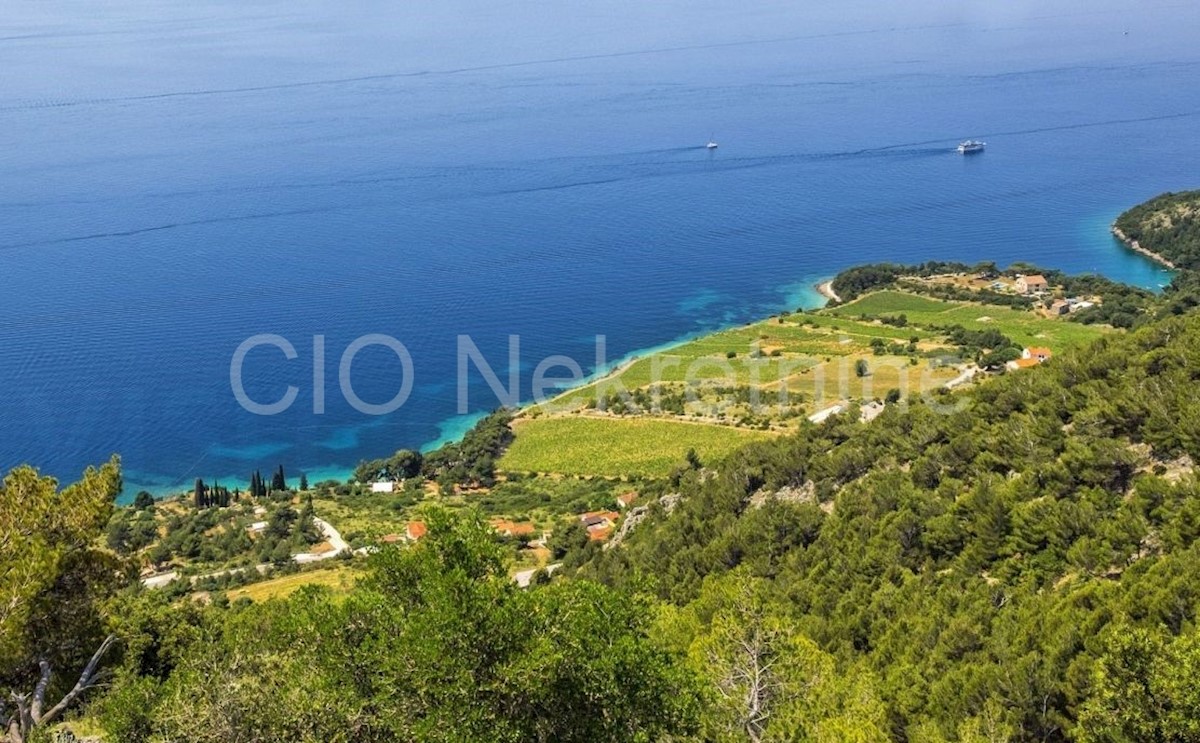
(177, 177)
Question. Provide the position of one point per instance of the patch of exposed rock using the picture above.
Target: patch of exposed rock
(806, 493)
(1171, 470)
(638, 515)
(1176, 469)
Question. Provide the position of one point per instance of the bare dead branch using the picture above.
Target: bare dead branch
(85, 682)
(39, 692)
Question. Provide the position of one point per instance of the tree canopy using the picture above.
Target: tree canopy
(966, 558)
(436, 645)
(53, 579)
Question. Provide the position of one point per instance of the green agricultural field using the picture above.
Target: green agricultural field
(892, 303)
(1025, 328)
(338, 578)
(830, 382)
(761, 354)
(857, 329)
(582, 445)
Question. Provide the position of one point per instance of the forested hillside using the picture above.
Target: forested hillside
(1168, 225)
(1005, 566)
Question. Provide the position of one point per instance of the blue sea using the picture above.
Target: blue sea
(176, 178)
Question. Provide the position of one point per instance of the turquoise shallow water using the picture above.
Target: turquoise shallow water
(179, 177)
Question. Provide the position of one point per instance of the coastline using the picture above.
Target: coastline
(616, 368)
(453, 429)
(1137, 248)
(825, 288)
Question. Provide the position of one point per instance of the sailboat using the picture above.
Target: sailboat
(712, 143)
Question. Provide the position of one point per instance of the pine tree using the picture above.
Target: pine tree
(303, 481)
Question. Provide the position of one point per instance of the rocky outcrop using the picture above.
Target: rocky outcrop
(1135, 246)
(806, 493)
(638, 515)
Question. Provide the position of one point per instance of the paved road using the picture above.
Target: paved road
(160, 580)
(525, 577)
(821, 415)
(332, 536)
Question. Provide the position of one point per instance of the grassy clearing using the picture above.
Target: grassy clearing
(856, 328)
(581, 445)
(891, 303)
(1025, 328)
(340, 578)
(833, 381)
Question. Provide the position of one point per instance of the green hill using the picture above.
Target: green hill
(1168, 225)
(982, 561)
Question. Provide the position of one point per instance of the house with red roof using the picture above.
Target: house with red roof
(1031, 357)
(509, 528)
(1032, 284)
(599, 524)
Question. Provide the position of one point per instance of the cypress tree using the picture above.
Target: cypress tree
(303, 481)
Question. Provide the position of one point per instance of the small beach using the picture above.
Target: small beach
(825, 288)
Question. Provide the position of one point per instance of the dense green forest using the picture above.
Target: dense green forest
(1168, 225)
(972, 562)
(1014, 562)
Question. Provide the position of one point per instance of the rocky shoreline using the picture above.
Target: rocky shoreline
(1134, 246)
